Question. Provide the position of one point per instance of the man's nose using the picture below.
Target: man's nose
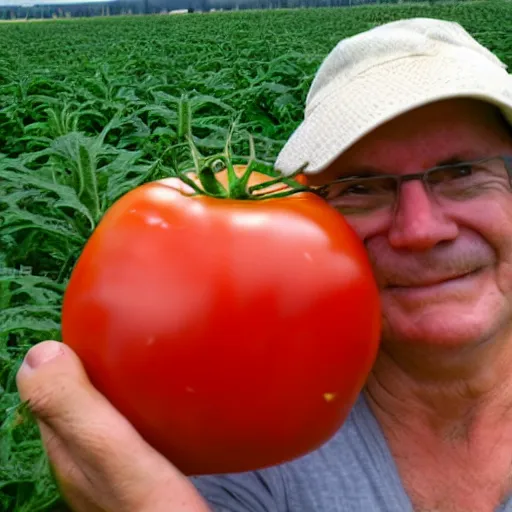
(419, 222)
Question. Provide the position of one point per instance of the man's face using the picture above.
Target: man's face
(444, 269)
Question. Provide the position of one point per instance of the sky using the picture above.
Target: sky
(40, 2)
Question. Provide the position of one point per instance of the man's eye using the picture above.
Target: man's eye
(452, 173)
(347, 189)
(357, 190)
(461, 172)
(361, 188)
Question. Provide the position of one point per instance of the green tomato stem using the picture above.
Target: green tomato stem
(238, 186)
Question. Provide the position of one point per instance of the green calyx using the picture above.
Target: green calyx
(206, 168)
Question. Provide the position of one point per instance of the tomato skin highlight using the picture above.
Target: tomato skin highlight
(233, 334)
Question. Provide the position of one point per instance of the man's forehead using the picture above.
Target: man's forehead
(396, 157)
(434, 135)
(408, 163)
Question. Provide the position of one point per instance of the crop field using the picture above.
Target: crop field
(91, 108)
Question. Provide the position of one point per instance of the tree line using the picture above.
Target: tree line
(139, 7)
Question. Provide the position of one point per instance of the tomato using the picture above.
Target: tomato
(233, 334)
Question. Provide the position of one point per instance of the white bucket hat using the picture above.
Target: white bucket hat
(372, 77)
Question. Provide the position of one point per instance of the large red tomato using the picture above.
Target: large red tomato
(234, 334)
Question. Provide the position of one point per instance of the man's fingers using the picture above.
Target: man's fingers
(90, 444)
(60, 394)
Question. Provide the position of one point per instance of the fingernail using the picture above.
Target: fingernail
(42, 353)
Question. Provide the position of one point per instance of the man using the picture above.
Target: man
(403, 134)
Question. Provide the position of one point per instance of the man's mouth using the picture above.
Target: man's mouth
(432, 281)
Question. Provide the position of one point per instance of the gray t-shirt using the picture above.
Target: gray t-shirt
(353, 472)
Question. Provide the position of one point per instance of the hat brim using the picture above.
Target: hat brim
(382, 93)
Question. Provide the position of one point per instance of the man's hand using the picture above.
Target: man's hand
(100, 461)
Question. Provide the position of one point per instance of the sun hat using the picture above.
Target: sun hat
(377, 75)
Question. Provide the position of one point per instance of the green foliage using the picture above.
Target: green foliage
(89, 109)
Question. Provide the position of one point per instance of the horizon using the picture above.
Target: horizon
(30, 3)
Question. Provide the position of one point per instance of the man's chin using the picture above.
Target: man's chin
(440, 325)
(436, 338)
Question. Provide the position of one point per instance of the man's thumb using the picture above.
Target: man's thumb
(61, 397)
(58, 390)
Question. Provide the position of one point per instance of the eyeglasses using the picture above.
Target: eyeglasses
(446, 183)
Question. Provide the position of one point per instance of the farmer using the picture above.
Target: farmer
(432, 430)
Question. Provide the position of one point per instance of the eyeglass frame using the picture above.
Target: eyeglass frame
(400, 179)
